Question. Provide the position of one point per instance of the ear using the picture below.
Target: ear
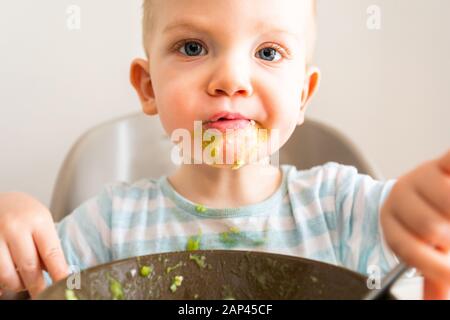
(312, 81)
(141, 81)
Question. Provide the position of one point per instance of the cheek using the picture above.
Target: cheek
(174, 98)
(282, 104)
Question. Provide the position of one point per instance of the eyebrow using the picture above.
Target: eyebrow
(184, 25)
(188, 25)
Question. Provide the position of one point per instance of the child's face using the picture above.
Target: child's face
(212, 56)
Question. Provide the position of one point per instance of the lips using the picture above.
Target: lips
(224, 121)
(227, 116)
(224, 125)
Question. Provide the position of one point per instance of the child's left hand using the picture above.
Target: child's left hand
(416, 222)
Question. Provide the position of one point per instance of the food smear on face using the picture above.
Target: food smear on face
(206, 143)
(237, 164)
(176, 282)
(240, 145)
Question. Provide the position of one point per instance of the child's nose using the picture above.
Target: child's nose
(231, 92)
(230, 81)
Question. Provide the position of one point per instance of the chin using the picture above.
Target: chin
(235, 166)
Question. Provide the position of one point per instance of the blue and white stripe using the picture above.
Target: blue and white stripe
(328, 213)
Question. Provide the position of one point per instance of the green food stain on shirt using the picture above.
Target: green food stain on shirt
(200, 208)
(193, 242)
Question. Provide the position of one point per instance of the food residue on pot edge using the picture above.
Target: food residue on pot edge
(170, 269)
(176, 282)
(200, 261)
(145, 271)
(70, 295)
(115, 288)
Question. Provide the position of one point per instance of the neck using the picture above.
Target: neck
(226, 188)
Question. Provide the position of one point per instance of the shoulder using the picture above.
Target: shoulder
(326, 181)
(340, 181)
(325, 173)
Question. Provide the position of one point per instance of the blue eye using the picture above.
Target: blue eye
(191, 48)
(194, 48)
(269, 54)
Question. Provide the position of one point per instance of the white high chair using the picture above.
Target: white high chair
(136, 146)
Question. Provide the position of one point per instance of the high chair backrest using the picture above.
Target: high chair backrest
(136, 146)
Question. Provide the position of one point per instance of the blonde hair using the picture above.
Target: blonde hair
(147, 22)
(147, 27)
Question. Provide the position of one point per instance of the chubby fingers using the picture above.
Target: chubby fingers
(432, 182)
(51, 253)
(434, 264)
(9, 279)
(421, 218)
(435, 290)
(26, 257)
(444, 162)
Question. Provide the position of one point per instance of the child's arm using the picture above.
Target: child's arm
(416, 222)
(29, 244)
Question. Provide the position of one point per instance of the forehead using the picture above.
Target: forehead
(231, 16)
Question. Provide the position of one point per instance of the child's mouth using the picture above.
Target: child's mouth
(224, 121)
(228, 124)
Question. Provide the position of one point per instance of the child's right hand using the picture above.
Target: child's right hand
(29, 244)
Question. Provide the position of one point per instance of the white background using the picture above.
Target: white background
(388, 90)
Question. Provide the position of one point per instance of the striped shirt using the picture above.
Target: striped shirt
(328, 213)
